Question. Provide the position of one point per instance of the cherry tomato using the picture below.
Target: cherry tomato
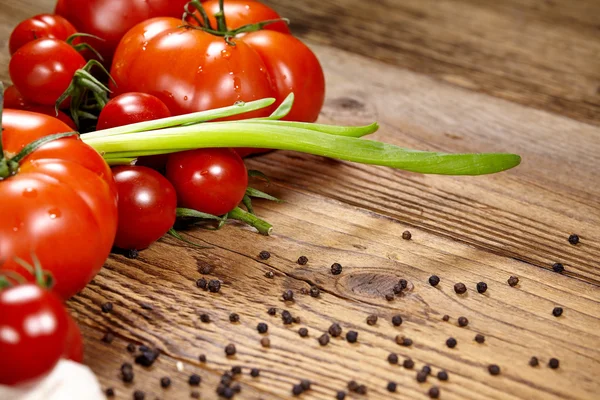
(147, 206)
(111, 19)
(43, 69)
(243, 12)
(213, 181)
(129, 108)
(38, 27)
(33, 332)
(74, 346)
(61, 205)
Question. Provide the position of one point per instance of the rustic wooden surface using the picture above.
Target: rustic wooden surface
(519, 76)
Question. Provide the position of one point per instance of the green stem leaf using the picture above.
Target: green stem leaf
(261, 195)
(190, 213)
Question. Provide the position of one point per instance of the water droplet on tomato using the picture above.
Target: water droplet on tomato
(237, 84)
(54, 213)
(30, 193)
(225, 54)
(185, 98)
(239, 103)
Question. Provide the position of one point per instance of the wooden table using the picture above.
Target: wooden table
(520, 76)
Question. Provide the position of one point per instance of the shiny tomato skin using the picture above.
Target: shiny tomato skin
(111, 19)
(74, 345)
(43, 69)
(61, 205)
(147, 206)
(14, 99)
(243, 12)
(213, 181)
(129, 108)
(33, 332)
(293, 68)
(40, 26)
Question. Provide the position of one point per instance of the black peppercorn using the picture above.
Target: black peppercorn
(534, 362)
(236, 370)
(434, 280)
(254, 372)
(288, 295)
(272, 311)
(403, 283)
(230, 349)
(234, 317)
(426, 369)
(393, 358)
(372, 319)
(264, 255)
(460, 288)
(573, 239)
(557, 311)
(352, 336)
(553, 363)
(422, 376)
(269, 274)
(194, 394)
(296, 320)
(265, 342)
(110, 392)
(287, 317)
(442, 375)
(108, 337)
(324, 339)
(127, 375)
(406, 342)
(228, 393)
(481, 287)
(214, 285)
(237, 388)
(132, 254)
(314, 291)
(513, 281)
(303, 332)
(139, 395)
(479, 338)
(391, 387)
(126, 366)
(202, 358)
(147, 357)
(201, 283)
(302, 260)
(389, 296)
(165, 382)
(397, 320)
(408, 363)
(336, 269)
(131, 347)
(340, 395)
(434, 392)
(335, 330)
(558, 268)
(451, 342)
(361, 389)
(353, 386)
(305, 383)
(446, 318)
(406, 235)
(297, 390)
(205, 318)
(107, 307)
(194, 380)
(262, 327)
(463, 321)
(494, 369)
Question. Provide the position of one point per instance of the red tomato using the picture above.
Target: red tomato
(41, 26)
(61, 205)
(129, 108)
(243, 12)
(33, 332)
(213, 181)
(147, 206)
(74, 346)
(43, 69)
(111, 19)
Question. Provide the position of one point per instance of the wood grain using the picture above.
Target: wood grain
(432, 93)
(540, 53)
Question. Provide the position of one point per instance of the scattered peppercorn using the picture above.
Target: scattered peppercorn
(147, 357)
(434, 280)
(234, 317)
(406, 235)
(296, 320)
(110, 392)
(194, 394)
(397, 289)
(434, 392)
(335, 330)
(237, 388)
(336, 269)
(557, 311)
(131, 347)
(463, 321)
(108, 337)
(554, 363)
(403, 283)
(513, 281)
(262, 327)
(139, 395)
(264, 255)
(302, 260)
(406, 342)
(391, 387)
(165, 382)
(127, 375)
(446, 318)
(287, 317)
(573, 239)
(408, 363)
(426, 369)
(228, 393)
(314, 291)
(397, 320)
(202, 358)
(297, 390)
(288, 295)
(422, 376)
(442, 375)
(372, 319)
(226, 379)
(202, 283)
(451, 342)
(340, 395)
(265, 342)
(303, 332)
(351, 336)
(361, 389)
(352, 386)
(107, 307)
(460, 288)
(305, 383)
(126, 367)
(205, 318)
(389, 296)
(269, 274)
(534, 362)
(479, 338)
(194, 380)
(236, 370)
(392, 358)
(144, 348)
(214, 285)
(558, 268)
(254, 372)
(481, 287)
(230, 349)
(324, 339)
(206, 269)
(494, 369)
(272, 311)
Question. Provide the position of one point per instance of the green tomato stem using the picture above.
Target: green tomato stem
(263, 227)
